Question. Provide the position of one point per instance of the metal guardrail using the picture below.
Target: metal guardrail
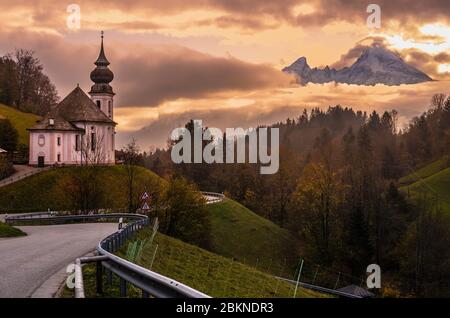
(218, 197)
(29, 216)
(151, 283)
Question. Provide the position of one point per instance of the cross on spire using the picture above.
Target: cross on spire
(102, 60)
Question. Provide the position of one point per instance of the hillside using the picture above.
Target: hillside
(236, 232)
(243, 235)
(48, 190)
(207, 272)
(436, 185)
(426, 171)
(21, 121)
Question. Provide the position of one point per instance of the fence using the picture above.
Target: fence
(212, 197)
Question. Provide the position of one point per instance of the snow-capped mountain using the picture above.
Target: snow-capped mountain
(376, 65)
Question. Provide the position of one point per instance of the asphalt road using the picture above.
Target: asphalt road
(27, 262)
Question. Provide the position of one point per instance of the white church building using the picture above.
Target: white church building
(80, 129)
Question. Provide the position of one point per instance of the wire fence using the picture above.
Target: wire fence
(224, 277)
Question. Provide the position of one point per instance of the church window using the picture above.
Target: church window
(41, 140)
(59, 141)
(93, 142)
(77, 143)
(98, 104)
(109, 108)
(59, 157)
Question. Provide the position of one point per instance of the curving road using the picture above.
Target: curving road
(28, 262)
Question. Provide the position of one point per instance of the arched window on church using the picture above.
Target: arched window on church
(98, 104)
(41, 140)
(109, 109)
(77, 143)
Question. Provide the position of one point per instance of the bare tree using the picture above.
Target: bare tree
(36, 93)
(131, 158)
(92, 148)
(85, 187)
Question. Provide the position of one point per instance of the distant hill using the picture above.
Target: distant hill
(20, 120)
(251, 239)
(426, 171)
(435, 186)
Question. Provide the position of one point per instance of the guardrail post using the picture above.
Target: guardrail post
(99, 278)
(79, 287)
(109, 277)
(123, 287)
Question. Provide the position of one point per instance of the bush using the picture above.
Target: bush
(6, 168)
(8, 135)
(184, 215)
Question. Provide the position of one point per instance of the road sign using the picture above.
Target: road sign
(145, 207)
(145, 196)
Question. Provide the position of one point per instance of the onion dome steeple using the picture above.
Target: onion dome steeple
(101, 75)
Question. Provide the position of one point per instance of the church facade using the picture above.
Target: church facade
(81, 128)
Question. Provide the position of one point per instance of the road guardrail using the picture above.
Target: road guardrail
(150, 283)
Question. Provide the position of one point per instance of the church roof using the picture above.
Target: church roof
(76, 107)
(52, 121)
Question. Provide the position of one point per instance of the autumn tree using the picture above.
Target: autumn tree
(184, 215)
(316, 204)
(424, 252)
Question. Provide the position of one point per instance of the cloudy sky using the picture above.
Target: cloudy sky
(220, 60)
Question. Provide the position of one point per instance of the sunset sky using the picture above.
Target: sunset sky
(221, 60)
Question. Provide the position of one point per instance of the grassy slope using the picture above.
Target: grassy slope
(9, 231)
(207, 272)
(426, 171)
(240, 233)
(237, 232)
(21, 121)
(436, 185)
(46, 190)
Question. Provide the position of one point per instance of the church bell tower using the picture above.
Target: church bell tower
(101, 92)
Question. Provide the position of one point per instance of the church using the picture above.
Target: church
(81, 128)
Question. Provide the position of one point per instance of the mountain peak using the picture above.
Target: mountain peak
(378, 53)
(301, 63)
(301, 60)
(375, 65)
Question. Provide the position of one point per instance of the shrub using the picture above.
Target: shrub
(6, 168)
